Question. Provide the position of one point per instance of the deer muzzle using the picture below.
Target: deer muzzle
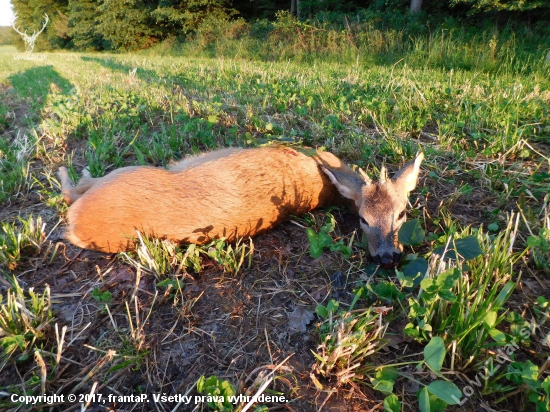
(387, 259)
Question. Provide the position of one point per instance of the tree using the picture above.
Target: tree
(416, 6)
(6, 35)
(187, 15)
(128, 24)
(83, 22)
(295, 8)
(30, 17)
(501, 5)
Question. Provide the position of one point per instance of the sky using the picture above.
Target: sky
(6, 13)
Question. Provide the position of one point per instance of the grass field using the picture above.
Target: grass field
(153, 321)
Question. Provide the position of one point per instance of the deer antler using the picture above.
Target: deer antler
(30, 40)
(15, 28)
(35, 34)
(47, 19)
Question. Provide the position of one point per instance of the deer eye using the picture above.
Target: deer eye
(363, 221)
(401, 215)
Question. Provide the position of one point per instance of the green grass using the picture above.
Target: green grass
(375, 39)
(478, 106)
(17, 241)
(172, 106)
(23, 321)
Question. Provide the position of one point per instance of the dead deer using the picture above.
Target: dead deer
(232, 193)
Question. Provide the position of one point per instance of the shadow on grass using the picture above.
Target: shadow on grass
(141, 73)
(36, 83)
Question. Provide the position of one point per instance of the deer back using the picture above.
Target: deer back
(229, 193)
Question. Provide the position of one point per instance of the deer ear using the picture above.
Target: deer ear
(406, 178)
(349, 185)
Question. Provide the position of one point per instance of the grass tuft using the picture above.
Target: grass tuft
(20, 240)
(24, 318)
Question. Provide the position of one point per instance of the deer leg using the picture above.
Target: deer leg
(70, 193)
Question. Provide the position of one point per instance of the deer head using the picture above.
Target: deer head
(381, 206)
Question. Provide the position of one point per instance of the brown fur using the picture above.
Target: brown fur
(229, 193)
(381, 206)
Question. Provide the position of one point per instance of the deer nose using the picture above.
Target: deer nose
(387, 259)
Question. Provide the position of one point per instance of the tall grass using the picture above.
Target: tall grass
(365, 38)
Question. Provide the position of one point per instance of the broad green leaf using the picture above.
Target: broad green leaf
(530, 375)
(424, 400)
(392, 404)
(387, 373)
(324, 239)
(434, 353)
(540, 406)
(386, 387)
(534, 241)
(411, 233)
(429, 285)
(415, 309)
(340, 247)
(389, 291)
(333, 305)
(493, 227)
(322, 311)
(514, 371)
(499, 336)
(411, 331)
(416, 270)
(436, 404)
(542, 302)
(446, 391)
(165, 283)
(447, 279)
(314, 249)
(211, 382)
(468, 247)
(490, 319)
(371, 269)
(311, 235)
(426, 327)
(228, 388)
(449, 253)
(447, 295)
(405, 281)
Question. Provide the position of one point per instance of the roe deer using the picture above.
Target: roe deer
(232, 193)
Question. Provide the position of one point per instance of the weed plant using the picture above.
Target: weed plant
(24, 319)
(20, 240)
(163, 257)
(348, 339)
(464, 302)
(14, 170)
